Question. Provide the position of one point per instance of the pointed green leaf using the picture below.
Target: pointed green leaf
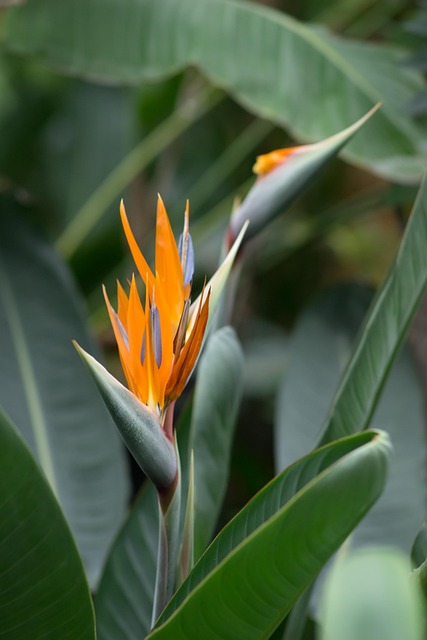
(216, 400)
(384, 330)
(370, 595)
(318, 353)
(43, 590)
(262, 57)
(139, 427)
(277, 190)
(268, 570)
(63, 421)
(265, 504)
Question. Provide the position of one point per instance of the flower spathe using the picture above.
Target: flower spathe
(159, 338)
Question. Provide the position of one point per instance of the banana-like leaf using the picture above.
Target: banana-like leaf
(42, 388)
(216, 400)
(43, 590)
(262, 57)
(384, 329)
(318, 353)
(370, 594)
(308, 506)
(259, 564)
(276, 191)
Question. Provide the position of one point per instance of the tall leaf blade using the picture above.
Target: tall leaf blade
(384, 330)
(43, 390)
(319, 350)
(43, 589)
(216, 400)
(267, 571)
(261, 57)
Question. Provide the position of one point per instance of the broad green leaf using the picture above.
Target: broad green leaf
(383, 331)
(258, 510)
(124, 600)
(318, 353)
(260, 56)
(267, 571)
(83, 142)
(44, 391)
(216, 400)
(370, 595)
(43, 590)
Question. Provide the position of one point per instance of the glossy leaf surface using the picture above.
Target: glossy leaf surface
(261, 56)
(318, 352)
(43, 590)
(266, 567)
(216, 400)
(383, 332)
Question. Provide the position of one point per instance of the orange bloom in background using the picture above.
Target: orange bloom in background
(159, 339)
(269, 161)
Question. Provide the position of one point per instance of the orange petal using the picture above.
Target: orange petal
(121, 344)
(168, 263)
(187, 359)
(141, 263)
(269, 161)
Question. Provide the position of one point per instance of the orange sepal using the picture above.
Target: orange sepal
(168, 264)
(141, 263)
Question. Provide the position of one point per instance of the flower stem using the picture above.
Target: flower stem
(169, 544)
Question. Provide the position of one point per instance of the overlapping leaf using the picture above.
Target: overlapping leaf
(262, 57)
(216, 400)
(43, 590)
(319, 351)
(384, 329)
(274, 548)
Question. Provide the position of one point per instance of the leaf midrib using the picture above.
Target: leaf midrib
(29, 383)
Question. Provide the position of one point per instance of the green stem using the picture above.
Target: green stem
(170, 129)
(186, 560)
(169, 544)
